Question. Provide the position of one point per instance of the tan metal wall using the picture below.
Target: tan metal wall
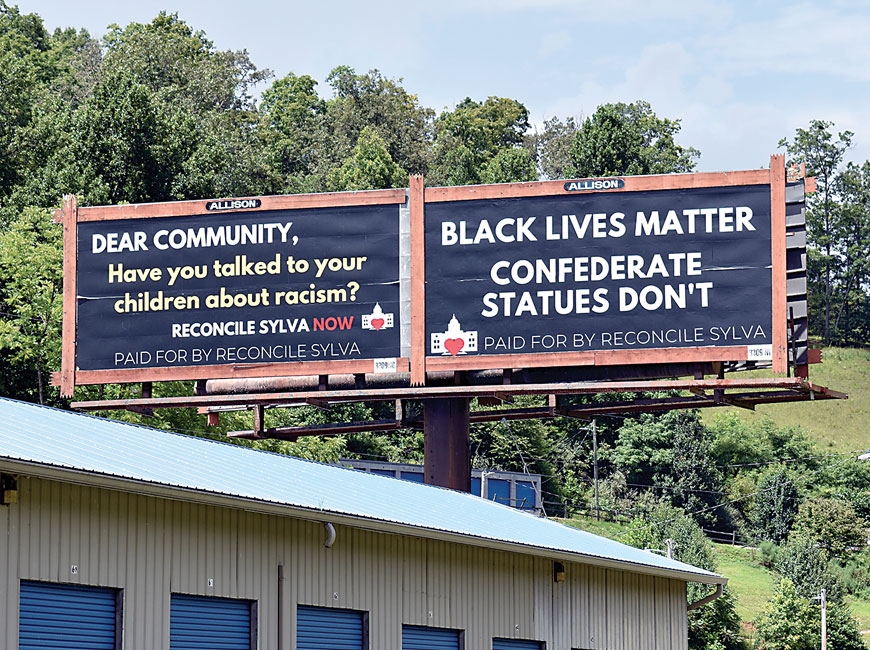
(151, 547)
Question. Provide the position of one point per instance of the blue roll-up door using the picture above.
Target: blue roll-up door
(208, 623)
(72, 617)
(416, 637)
(499, 490)
(325, 628)
(515, 644)
(526, 496)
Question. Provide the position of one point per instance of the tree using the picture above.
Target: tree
(293, 127)
(629, 139)
(509, 166)
(823, 156)
(552, 148)
(31, 272)
(370, 167)
(205, 105)
(115, 149)
(788, 621)
(852, 239)
(807, 566)
(775, 506)
(831, 523)
(715, 626)
(469, 139)
(384, 106)
(670, 454)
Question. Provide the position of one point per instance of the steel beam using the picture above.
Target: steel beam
(447, 460)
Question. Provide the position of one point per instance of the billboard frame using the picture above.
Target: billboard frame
(774, 177)
(71, 216)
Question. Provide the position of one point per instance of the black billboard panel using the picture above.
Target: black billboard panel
(674, 268)
(238, 287)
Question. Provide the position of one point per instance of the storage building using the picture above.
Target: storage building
(120, 536)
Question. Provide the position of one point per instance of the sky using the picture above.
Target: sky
(740, 75)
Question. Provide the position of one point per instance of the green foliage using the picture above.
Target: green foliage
(854, 574)
(475, 140)
(368, 168)
(665, 522)
(843, 630)
(713, 626)
(115, 146)
(629, 139)
(832, 524)
(851, 321)
(788, 621)
(509, 166)
(776, 505)
(553, 148)
(373, 101)
(670, 454)
(768, 553)
(31, 287)
(807, 566)
(739, 445)
(293, 129)
(823, 155)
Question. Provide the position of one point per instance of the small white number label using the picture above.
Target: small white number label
(211, 582)
(74, 569)
(385, 365)
(759, 353)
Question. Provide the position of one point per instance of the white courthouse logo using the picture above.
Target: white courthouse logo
(454, 341)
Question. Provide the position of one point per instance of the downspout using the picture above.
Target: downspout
(706, 599)
(330, 535)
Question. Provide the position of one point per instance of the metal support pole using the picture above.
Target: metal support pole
(595, 467)
(446, 456)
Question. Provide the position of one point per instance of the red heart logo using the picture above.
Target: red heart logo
(454, 346)
(377, 323)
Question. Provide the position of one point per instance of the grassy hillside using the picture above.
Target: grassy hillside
(837, 425)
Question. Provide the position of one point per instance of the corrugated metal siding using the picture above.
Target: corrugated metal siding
(206, 623)
(66, 616)
(152, 547)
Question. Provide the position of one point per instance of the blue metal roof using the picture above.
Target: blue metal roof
(51, 438)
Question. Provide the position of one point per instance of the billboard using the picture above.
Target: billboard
(233, 286)
(590, 272)
(679, 268)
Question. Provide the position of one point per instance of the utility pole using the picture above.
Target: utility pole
(824, 600)
(595, 467)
